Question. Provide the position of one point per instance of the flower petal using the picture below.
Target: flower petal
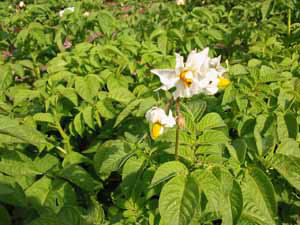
(170, 120)
(182, 91)
(179, 63)
(155, 115)
(167, 77)
(211, 90)
(198, 61)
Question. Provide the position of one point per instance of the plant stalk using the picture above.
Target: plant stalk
(177, 128)
(289, 21)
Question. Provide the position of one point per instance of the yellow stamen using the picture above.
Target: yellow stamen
(186, 81)
(156, 130)
(223, 83)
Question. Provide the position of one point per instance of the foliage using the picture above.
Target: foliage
(75, 146)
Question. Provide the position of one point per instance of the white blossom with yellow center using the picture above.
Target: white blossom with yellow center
(186, 76)
(159, 120)
(212, 81)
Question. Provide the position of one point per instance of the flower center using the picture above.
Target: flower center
(157, 130)
(223, 83)
(187, 77)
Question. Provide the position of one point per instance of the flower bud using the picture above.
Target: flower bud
(181, 121)
(180, 2)
(86, 14)
(21, 4)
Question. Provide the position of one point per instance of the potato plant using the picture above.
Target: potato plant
(86, 137)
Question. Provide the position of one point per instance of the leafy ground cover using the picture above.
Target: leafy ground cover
(75, 87)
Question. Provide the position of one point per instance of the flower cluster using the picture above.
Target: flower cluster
(199, 74)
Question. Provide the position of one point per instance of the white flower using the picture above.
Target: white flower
(215, 63)
(186, 76)
(212, 81)
(86, 13)
(180, 2)
(22, 4)
(70, 9)
(159, 120)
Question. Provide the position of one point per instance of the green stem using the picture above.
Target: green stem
(289, 21)
(62, 133)
(177, 128)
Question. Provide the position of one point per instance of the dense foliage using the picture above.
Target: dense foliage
(75, 147)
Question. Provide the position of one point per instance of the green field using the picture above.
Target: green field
(149, 112)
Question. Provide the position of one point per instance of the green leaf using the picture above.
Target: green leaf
(37, 193)
(237, 69)
(157, 32)
(266, 8)
(131, 175)
(267, 74)
(95, 213)
(179, 201)
(109, 157)
(25, 133)
(6, 77)
(45, 162)
(288, 167)
(184, 137)
(259, 198)
(195, 109)
(80, 177)
(13, 193)
(49, 219)
(56, 65)
(61, 194)
(289, 147)
(69, 93)
(106, 109)
(24, 95)
(44, 117)
(210, 121)
(14, 163)
(291, 124)
(87, 114)
(87, 88)
(119, 92)
(167, 171)
(75, 158)
(213, 137)
(78, 124)
(69, 215)
(126, 111)
(238, 150)
(223, 193)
